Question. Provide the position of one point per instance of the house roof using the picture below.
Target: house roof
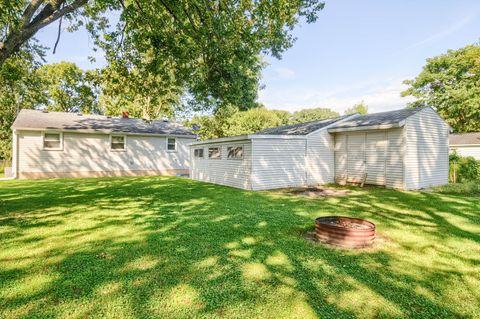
(376, 120)
(33, 119)
(465, 139)
(301, 128)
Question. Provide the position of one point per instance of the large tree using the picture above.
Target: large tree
(66, 88)
(213, 48)
(450, 83)
(20, 88)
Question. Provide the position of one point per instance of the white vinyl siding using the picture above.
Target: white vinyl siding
(375, 157)
(394, 161)
(320, 158)
(223, 171)
(467, 150)
(426, 154)
(90, 153)
(278, 163)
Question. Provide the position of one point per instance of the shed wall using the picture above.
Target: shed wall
(223, 171)
(320, 161)
(426, 157)
(90, 155)
(278, 163)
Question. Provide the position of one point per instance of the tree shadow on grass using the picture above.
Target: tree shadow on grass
(170, 247)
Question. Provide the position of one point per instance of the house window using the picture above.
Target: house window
(214, 153)
(171, 144)
(117, 143)
(235, 152)
(198, 152)
(52, 141)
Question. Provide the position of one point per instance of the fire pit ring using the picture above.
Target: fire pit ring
(344, 231)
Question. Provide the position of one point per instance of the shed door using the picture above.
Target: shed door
(355, 157)
(375, 157)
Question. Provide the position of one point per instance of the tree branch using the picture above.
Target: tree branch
(58, 35)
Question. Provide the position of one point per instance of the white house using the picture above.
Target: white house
(56, 144)
(466, 144)
(405, 149)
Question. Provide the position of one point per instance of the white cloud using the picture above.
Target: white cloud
(379, 96)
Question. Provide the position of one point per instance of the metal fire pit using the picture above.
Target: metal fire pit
(344, 231)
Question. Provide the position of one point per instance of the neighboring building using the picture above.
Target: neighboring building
(466, 144)
(56, 144)
(405, 149)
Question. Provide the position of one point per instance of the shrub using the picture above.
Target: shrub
(464, 169)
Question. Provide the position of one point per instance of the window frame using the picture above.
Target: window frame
(199, 149)
(234, 147)
(219, 151)
(60, 148)
(124, 143)
(175, 144)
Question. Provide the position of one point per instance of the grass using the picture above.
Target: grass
(169, 247)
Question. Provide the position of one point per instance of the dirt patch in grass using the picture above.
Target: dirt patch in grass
(315, 191)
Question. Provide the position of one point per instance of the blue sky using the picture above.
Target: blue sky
(357, 50)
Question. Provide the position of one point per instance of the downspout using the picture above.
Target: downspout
(15, 154)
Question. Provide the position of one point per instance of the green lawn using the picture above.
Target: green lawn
(169, 247)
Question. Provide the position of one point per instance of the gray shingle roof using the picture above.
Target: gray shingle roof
(33, 119)
(300, 128)
(465, 139)
(377, 119)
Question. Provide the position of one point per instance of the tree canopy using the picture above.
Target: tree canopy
(360, 108)
(450, 83)
(65, 88)
(313, 114)
(231, 121)
(211, 50)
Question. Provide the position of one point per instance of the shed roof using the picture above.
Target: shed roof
(465, 139)
(377, 120)
(301, 128)
(34, 119)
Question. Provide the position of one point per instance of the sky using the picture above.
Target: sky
(356, 51)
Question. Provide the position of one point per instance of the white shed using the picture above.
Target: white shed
(57, 144)
(405, 149)
(466, 144)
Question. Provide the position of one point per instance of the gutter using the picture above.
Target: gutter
(104, 132)
(366, 127)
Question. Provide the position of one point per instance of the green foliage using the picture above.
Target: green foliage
(450, 84)
(360, 108)
(66, 88)
(465, 169)
(142, 94)
(210, 51)
(19, 89)
(214, 48)
(465, 188)
(230, 121)
(307, 115)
